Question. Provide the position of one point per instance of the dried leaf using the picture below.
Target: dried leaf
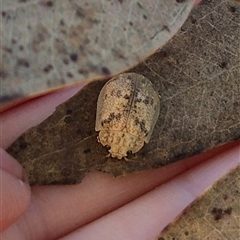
(215, 215)
(197, 75)
(49, 44)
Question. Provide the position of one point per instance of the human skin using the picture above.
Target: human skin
(137, 206)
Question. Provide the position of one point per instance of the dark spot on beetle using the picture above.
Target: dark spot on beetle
(118, 116)
(186, 233)
(74, 57)
(151, 101)
(112, 92)
(88, 150)
(129, 78)
(146, 100)
(21, 47)
(22, 1)
(119, 93)
(106, 121)
(111, 116)
(106, 71)
(130, 23)
(69, 74)
(141, 124)
(4, 13)
(48, 68)
(144, 16)
(69, 111)
(129, 152)
(23, 62)
(68, 119)
(138, 100)
(106, 96)
(65, 61)
(120, 1)
(14, 41)
(232, 9)
(223, 64)
(127, 97)
(218, 213)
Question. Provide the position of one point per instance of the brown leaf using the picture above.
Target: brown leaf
(197, 75)
(49, 44)
(215, 215)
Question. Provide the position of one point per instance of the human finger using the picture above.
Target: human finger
(14, 190)
(148, 215)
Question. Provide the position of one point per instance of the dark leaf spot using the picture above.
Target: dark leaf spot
(48, 68)
(223, 64)
(23, 62)
(49, 3)
(74, 57)
(166, 28)
(88, 150)
(62, 22)
(80, 13)
(69, 111)
(218, 213)
(232, 9)
(65, 61)
(106, 71)
(68, 119)
(69, 74)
